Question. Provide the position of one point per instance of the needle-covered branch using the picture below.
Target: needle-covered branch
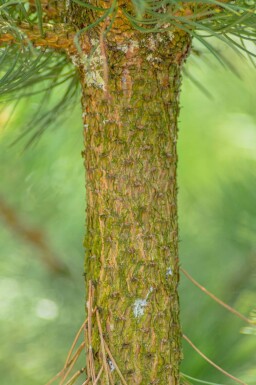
(58, 36)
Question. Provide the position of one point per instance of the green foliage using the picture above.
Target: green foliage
(24, 67)
(140, 7)
(217, 218)
(45, 186)
(39, 15)
(24, 74)
(232, 22)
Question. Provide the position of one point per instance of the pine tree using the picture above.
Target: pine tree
(128, 57)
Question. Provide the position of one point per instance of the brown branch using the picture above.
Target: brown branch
(110, 376)
(98, 376)
(75, 376)
(33, 236)
(86, 382)
(52, 9)
(105, 364)
(55, 377)
(70, 360)
(115, 364)
(89, 374)
(211, 362)
(89, 306)
(57, 36)
(216, 299)
(58, 375)
(74, 359)
(75, 341)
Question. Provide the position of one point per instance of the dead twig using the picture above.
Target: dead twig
(89, 374)
(89, 306)
(66, 366)
(75, 376)
(74, 359)
(115, 364)
(216, 299)
(98, 376)
(55, 377)
(75, 341)
(110, 376)
(104, 359)
(86, 382)
(211, 362)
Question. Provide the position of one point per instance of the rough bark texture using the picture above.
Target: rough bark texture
(130, 103)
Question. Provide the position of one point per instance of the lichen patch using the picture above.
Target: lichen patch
(111, 365)
(140, 304)
(138, 307)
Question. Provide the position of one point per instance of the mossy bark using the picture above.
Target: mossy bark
(130, 111)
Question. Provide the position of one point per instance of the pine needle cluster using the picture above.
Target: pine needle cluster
(27, 68)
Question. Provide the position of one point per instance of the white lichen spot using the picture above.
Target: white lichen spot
(149, 57)
(166, 25)
(112, 327)
(138, 307)
(68, 4)
(95, 42)
(169, 272)
(75, 60)
(106, 121)
(93, 66)
(111, 365)
(133, 45)
(140, 304)
(94, 73)
(151, 43)
(159, 37)
(171, 35)
(123, 47)
(152, 58)
(86, 126)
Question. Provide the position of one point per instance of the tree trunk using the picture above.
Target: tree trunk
(130, 105)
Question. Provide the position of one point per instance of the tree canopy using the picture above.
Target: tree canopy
(31, 30)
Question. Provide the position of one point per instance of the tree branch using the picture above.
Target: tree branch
(33, 236)
(52, 9)
(57, 36)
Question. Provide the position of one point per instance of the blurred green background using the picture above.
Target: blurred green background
(43, 188)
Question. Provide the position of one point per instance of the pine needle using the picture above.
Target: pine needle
(216, 299)
(212, 363)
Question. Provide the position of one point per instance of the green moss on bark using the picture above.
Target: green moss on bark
(130, 133)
